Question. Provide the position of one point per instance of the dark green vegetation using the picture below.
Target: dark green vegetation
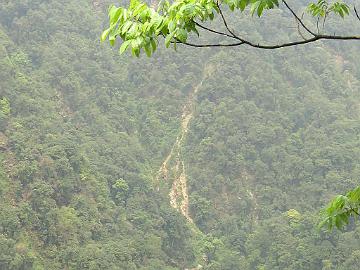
(83, 133)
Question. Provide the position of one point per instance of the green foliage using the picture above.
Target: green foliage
(79, 148)
(293, 215)
(4, 112)
(139, 26)
(323, 8)
(120, 190)
(86, 135)
(341, 209)
(5, 106)
(265, 153)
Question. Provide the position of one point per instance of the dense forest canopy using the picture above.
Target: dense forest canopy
(262, 141)
(141, 24)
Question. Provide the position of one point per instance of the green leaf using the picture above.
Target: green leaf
(116, 15)
(147, 49)
(124, 46)
(168, 39)
(105, 34)
(260, 9)
(157, 21)
(172, 26)
(341, 209)
(243, 4)
(181, 34)
(139, 9)
(126, 27)
(112, 11)
(134, 4)
(345, 8)
(254, 7)
(135, 51)
(153, 44)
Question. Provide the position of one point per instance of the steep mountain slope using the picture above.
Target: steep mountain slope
(81, 144)
(265, 143)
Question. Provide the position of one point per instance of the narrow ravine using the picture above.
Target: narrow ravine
(255, 211)
(249, 187)
(179, 197)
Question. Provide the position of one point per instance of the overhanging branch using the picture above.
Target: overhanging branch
(276, 46)
(242, 41)
(208, 45)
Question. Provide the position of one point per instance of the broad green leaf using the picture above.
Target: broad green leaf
(105, 34)
(153, 44)
(181, 34)
(115, 16)
(147, 49)
(172, 26)
(254, 7)
(126, 27)
(124, 46)
(243, 4)
(260, 9)
(135, 51)
(169, 38)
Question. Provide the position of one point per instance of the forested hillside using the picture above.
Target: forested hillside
(212, 159)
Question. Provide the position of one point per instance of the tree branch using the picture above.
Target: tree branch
(208, 45)
(317, 25)
(225, 23)
(214, 31)
(298, 28)
(276, 46)
(356, 13)
(298, 19)
(356, 212)
(243, 41)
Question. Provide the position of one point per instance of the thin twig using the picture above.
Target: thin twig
(225, 22)
(323, 26)
(356, 13)
(298, 28)
(297, 17)
(214, 31)
(356, 212)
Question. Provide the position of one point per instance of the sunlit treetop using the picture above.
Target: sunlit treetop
(140, 26)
